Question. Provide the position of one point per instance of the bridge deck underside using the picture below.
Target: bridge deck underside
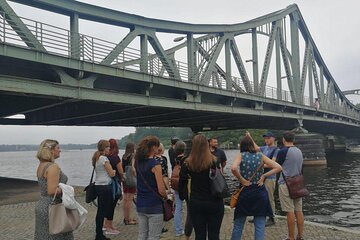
(45, 110)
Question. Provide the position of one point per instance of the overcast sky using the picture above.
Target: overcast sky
(334, 26)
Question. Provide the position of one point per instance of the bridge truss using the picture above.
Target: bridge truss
(204, 58)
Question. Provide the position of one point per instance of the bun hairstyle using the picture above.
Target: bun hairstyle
(247, 145)
(114, 148)
(44, 153)
(144, 148)
(102, 144)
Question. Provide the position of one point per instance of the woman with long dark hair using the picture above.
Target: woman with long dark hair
(151, 189)
(116, 165)
(206, 210)
(104, 173)
(253, 200)
(129, 193)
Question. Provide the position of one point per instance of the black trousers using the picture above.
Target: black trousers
(104, 193)
(206, 217)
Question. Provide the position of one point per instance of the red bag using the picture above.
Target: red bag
(168, 209)
(296, 186)
(174, 180)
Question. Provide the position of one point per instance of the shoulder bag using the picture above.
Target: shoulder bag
(236, 194)
(168, 204)
(129, 179)
(90, 190)
(296, 186)
(61, 219)
(175, 175)
(218, 185)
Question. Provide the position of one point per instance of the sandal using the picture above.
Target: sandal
(129, 222)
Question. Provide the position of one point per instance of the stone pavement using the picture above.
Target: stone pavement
(17, 222)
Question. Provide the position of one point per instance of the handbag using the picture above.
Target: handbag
(129, 178)
(61, 219)
(175, 175)
(167, 204)
(296, 186)
(218, 185)
(90, 190)
(236, 194)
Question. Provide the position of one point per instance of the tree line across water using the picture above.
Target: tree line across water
(227, 138)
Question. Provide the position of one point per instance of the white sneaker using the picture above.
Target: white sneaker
(112, 232)
(180, 234)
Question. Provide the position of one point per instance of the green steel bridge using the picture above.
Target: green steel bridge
(60, 76)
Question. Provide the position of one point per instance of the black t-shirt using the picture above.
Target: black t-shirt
(200, 184)
(114, 161)
(172, 156)
(220, 156)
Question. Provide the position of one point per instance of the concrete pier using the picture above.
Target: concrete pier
(312, 147)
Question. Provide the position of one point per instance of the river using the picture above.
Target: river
(334, 189)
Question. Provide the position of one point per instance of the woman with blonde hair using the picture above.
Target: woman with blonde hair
(197, 167)
(151, 189)
(104, 174)
(49, 176)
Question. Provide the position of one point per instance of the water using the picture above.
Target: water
(334, 189)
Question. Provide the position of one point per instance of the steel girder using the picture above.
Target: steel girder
(201, 70)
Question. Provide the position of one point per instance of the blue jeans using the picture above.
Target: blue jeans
(178, 214)
(259, 222)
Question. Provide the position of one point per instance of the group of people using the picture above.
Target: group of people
(255, 167)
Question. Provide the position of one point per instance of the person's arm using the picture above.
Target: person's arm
(133, 165)
(183, 182)
(236, 173)
(110, 171)
(223, 159)
(120, 169)
(275, 168)
(159, 180)
(257, 148)
(52, 176)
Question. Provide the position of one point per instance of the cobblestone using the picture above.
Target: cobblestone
(17, 221)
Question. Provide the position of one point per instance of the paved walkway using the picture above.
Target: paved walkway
(17, 222)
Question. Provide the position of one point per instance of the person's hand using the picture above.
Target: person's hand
(245, 182)
(261, 181)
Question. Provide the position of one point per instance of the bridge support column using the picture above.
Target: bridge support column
(312, 147)
(144, 53)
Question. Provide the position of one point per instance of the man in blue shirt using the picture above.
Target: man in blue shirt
(271, 151)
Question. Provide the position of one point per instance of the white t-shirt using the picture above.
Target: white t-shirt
(102, 177)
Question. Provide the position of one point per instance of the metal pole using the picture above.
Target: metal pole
(75, 37)
(228, 64)
(190, 57)
(278, 67)
(144, 53)
(255, 62)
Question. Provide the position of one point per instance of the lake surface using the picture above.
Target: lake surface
(334, 189)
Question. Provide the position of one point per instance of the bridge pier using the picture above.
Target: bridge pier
(312, 147)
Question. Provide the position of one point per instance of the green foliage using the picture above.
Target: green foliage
(226, 138)
(232, 138)
(164, 134)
